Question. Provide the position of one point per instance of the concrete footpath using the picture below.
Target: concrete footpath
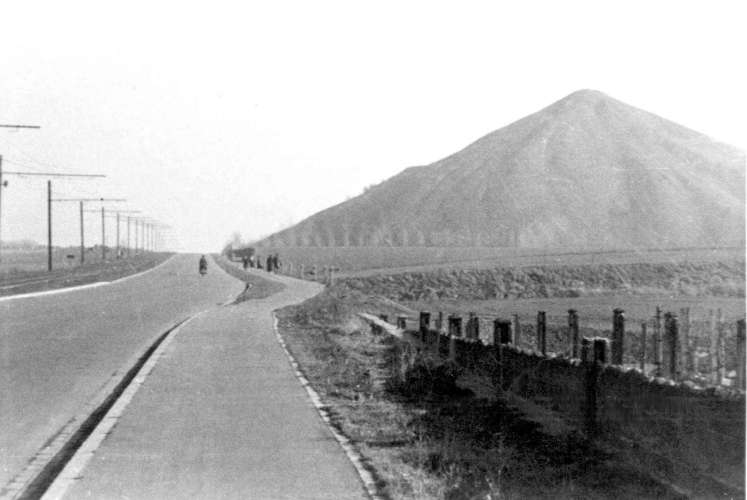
(222, 415)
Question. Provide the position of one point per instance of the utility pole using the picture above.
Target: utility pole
(81, 201)
(103, 234)
(5, 183)
(49, 199)
(117, 255)
(49, 225)
(155, 234)
(82, 242)
(128, 236)
(116, 214)
(2, 185)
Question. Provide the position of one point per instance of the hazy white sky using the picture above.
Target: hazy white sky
(217, 117)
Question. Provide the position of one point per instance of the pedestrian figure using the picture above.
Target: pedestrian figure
(275, 265)
(269, 263)
(245, 262)
(259, 262)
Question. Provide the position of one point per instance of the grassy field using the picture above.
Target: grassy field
(24, 274)
(23, 261)
(362, 261)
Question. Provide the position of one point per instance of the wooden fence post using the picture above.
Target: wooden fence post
(740, 355)
(424, 325)
(642, 353)
(618, 336)
(517, 331)
(501, 337)
(721, 347)
(455, 331)
(657, 343)
(671, 328)
(573, 333)
(713, 347)
(541, 332)
(472, 328)
(436, 345)
(586, 350)
(402, 322)
(300, 271)
(600, 350)
(455, 326)
(591, 382)
(501, 332)
(688, 363)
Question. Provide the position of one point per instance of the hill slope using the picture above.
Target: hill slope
(587, 171)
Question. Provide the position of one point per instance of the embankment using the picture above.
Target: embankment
(713, 279)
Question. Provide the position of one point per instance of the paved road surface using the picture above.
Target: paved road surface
(57, 351)
(222, 416)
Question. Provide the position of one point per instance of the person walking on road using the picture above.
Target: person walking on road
(276, 262)
(203, 265)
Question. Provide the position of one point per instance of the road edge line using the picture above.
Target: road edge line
(355, 457)
(56, 291)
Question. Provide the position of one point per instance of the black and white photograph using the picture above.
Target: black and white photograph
(392, 250)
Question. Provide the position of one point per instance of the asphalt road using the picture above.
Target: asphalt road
(222, 416)
(57, 351)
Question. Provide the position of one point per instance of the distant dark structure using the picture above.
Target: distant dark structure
(238, 254)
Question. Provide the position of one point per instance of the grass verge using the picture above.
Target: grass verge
(438, 440)
(256, 287)
(37, 281)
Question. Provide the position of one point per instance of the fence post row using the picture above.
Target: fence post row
(542, 332)
(618, 336)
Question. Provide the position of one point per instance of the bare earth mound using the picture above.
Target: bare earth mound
(588, 172)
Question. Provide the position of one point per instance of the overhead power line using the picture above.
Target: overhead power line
(5, 125)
